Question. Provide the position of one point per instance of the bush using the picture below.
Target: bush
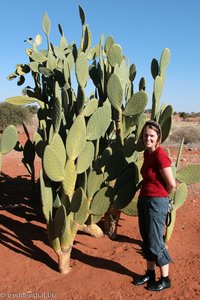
(16, 115)
(190, 135)
(183, 115)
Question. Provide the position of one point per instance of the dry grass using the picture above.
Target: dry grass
(185, 128)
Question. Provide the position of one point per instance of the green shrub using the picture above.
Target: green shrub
(183, 115)
(15, 114)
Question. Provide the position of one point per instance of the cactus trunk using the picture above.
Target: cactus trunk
(92, 229)
(64, 260)
(111, 222)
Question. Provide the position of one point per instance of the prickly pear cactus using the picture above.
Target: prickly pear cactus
(89, 146)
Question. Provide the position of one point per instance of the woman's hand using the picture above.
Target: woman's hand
(168, 178)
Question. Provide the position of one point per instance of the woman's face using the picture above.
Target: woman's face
(150, 138)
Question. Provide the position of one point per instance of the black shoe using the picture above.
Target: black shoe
(148, 277)
(161, 284)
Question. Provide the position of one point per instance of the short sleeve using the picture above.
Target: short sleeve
(163, 159)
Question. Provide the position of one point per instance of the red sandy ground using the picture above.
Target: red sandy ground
(101, 269)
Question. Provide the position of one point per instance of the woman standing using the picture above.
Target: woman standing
(158, 182)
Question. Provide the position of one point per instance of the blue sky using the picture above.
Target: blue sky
(142, 28)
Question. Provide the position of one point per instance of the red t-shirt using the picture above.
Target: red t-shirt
(153, 184)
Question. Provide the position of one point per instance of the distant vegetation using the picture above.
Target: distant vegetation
(15, 114)
(181, 114)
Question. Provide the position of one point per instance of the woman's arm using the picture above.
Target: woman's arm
(168, 178)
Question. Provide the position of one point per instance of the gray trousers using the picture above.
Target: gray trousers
(152, 213)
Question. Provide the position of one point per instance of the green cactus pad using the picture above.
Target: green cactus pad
(76, 138)
(84, 160)
(86, 39)
(46, 24)
(115, 55)
(57, 110)
(173, 169)
(90, 107)
(82, 180)
(179, 154)
(63, 43)
(180, 195)
(58, 146)
(68, 238)
(132, 72)
(82, 214)
(45, 71)
(57, 202)
(39, 144)
(95, 219)
(101, 201)
(99, 122)
(95, 74)
(123, 72)
(154, 68)
(142, 84)
(164, 60)
(136, 104)
(129, 146)
(54, 241)
(141, 121)
(38, 57)
(8, 139)
(131, 208)
(95, 181)
(189, 174)
(53, 164)
(46, 196)
(76, 200)
(158, 88)
(131, 173)
(108, 44)
(60, 224)
(23, 100)
(69, 180)
(82, 69)
(51, 63)
(93, 52)
(170, 229)
(34, 66)
(105, 157)
(115, 91)
(124, 196)
(82, 15)
(116, 165)
(165, 115)
(166, 127)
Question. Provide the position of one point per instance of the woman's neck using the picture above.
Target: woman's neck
(151, 150)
